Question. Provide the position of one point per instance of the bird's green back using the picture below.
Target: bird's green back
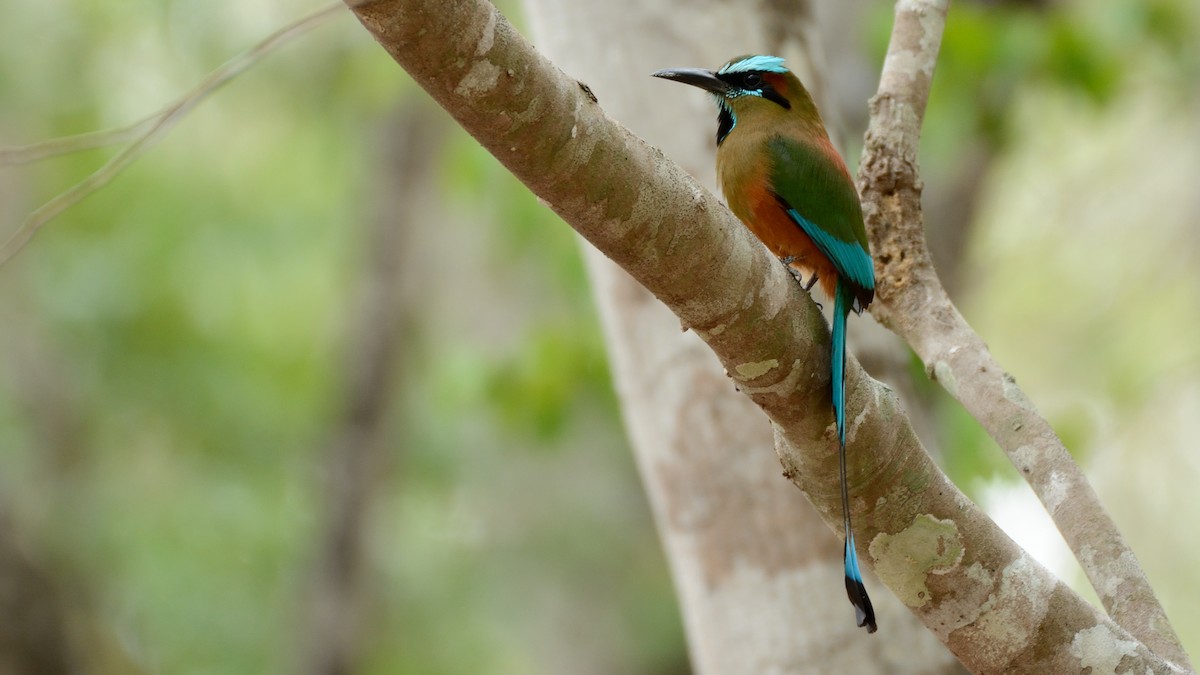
(813, 181)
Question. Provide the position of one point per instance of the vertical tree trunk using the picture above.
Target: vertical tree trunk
(758, 575)
(36, 637)
(335, 603)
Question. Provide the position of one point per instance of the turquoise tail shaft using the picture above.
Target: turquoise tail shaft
(855, 589)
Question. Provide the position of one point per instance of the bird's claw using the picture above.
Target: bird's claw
(787, 261)
(799, 276)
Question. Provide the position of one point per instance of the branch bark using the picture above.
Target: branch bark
(912, 302)
(994, 606)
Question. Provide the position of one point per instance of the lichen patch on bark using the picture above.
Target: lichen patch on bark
(1101, 650)
(904, 559)
(749, 371)
(1010, 618)
(783, 387)
(944, 374)
(480, 79)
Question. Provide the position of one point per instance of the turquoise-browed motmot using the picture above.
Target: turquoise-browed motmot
(783, 178)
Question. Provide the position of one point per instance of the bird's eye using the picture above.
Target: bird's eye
(752, 80)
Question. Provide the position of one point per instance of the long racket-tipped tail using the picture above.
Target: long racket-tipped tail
(855, 590)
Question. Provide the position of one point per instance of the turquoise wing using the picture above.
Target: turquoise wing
(812, 185)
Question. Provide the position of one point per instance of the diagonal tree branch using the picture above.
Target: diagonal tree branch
(913, 303)
(994, 606)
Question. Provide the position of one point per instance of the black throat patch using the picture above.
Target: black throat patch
(725, 123)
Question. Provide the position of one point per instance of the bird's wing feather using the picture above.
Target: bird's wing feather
(813, 186)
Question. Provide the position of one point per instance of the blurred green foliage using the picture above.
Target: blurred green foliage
(173, 347)
(991, 50)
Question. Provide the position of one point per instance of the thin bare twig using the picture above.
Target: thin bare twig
(912, 302)
(159, 125)
(36, 152)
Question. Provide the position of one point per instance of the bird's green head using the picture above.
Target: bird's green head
(753, 88)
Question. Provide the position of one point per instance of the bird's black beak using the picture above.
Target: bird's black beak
(697, 77)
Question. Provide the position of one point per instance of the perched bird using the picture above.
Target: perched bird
(783, 178)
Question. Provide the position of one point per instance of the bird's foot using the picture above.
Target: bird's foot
(787, 261)
(799, 276)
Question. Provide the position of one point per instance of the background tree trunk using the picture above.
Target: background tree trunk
(758, 575)
(411, 143)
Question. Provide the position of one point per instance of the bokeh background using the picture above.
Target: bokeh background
(316, 260)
